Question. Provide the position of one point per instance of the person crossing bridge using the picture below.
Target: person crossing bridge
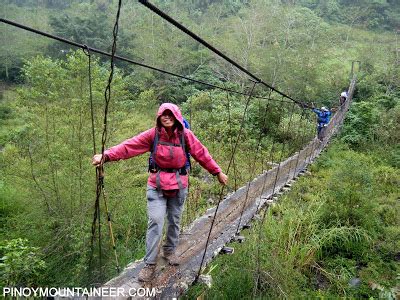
(167, 184)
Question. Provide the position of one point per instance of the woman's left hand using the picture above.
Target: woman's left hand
(222, 178)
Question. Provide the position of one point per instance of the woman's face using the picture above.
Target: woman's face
(167, 119)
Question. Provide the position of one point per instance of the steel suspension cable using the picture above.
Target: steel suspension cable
(253, 168)
(107, 97)
(184, 29)
(259, 206)
(310, 157)
(86, 50)
(302, 140)
(100, 169)
(271, 157)
(299, 134)
(231, 139)
(96, 216)
(107, 92)
(265, 210)
(282, 150)
(110, 229)
(280, 161)
(227, 172)
(121, 58)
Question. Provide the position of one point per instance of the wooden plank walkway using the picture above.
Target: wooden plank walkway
(172, 281)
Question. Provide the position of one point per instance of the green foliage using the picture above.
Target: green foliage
(219, 117)
(334, 226)
(93, 28)
(20, 264)
(89, 30)
(374, 116)
(372, 14)
(5, 112)
(358, 129)
(48, 158)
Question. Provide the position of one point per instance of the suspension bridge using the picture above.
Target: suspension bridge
(207, 235)
(172, 281)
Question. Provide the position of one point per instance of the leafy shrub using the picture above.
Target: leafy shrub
(5, 112)
(20, 264)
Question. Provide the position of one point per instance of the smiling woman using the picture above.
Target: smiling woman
(167, 120)
(167, 185)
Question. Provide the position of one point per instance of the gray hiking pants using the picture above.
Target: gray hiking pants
(158, 207)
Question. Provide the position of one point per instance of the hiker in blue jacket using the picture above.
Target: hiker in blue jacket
(324, 116)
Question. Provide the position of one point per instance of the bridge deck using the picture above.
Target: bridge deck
(172, 281)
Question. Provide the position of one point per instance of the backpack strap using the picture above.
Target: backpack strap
(186, 150)
(152, 164)
(155, 143)
(178, 179)
(182, 140)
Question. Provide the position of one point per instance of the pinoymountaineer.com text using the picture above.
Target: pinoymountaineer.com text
(77, 292)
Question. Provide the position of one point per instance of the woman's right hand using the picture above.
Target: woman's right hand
(97, 160)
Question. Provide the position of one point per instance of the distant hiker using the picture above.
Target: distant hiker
(323, 118)
(343, 98)
(167, 185)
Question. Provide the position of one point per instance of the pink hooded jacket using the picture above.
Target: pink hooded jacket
(143, 142)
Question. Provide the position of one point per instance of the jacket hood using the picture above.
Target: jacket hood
(174, 109)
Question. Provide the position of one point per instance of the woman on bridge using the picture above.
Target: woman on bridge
(169, 142)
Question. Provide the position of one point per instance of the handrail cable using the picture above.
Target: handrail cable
(96, 215)
(303, 136)
(253, 168)
(270, 157)
(265, 210)
(259, 205)
(169, 19)
(227, 172)
(297, 134)
(231, 139)
(100, 189)
(107, 98)
(121, 58)
(282, 150)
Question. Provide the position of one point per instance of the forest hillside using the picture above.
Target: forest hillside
(336, 234)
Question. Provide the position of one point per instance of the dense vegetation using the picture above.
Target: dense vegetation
(335, 233)
(310, 244)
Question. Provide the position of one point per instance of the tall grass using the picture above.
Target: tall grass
(316, 240)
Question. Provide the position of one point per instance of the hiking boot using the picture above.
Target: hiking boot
(173, 260)
(147, 273)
